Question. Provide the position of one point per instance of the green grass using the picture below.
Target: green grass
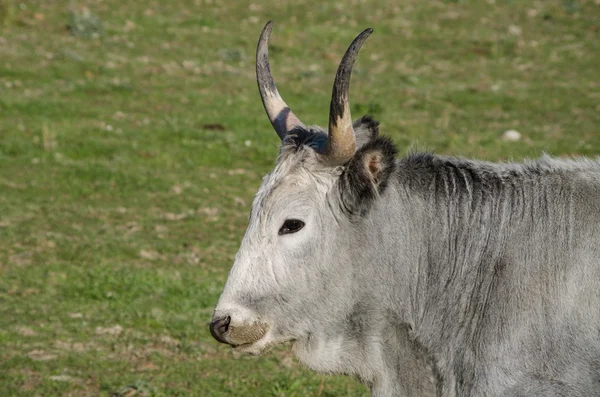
(130, 152)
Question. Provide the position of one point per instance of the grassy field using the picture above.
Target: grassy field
(132, 139)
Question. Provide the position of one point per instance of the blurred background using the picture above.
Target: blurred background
(132, 139)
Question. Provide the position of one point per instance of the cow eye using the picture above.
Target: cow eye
(291, 226)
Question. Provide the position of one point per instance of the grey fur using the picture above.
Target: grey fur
(463, 278)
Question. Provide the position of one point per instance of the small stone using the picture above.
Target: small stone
(511, 136)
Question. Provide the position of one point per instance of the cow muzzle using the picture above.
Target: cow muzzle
(225, 330)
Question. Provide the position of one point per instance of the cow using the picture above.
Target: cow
(424, 275)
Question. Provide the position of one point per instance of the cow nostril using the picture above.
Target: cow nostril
(224, 325)
(219, 327)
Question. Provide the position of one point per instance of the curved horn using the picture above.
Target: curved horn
(279, 113)
(342, 143)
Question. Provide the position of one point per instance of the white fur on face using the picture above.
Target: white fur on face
(268, 264)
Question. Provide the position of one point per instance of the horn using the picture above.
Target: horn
(341, 142)
(280, 115)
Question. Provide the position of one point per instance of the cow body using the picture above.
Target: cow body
(421, 276)
(507, 287)
(488, 274)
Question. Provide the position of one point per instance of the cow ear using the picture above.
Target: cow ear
(366, 129)
(366, 175)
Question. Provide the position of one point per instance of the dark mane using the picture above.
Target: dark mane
(425, 168)
(299, 137)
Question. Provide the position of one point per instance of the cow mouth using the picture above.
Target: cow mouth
(254, 338)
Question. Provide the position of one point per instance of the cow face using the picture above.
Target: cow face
(280, 274)
(294, 266)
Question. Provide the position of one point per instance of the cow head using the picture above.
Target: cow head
(295, 265)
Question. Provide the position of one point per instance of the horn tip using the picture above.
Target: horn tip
(266, 31)
(367, 32)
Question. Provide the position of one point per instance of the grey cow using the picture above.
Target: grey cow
(424, 275)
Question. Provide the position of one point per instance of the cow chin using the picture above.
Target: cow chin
(263, 345)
